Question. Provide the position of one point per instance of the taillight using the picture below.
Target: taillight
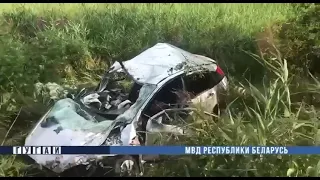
(219, 71)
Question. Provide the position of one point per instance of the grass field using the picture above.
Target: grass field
(72, 44)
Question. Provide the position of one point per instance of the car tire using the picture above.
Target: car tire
(121, 166)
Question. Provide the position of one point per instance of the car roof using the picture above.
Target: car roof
(162, 61)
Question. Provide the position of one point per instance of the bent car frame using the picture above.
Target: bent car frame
(160, 80)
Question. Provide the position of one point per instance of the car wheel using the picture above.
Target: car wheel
(127, 166)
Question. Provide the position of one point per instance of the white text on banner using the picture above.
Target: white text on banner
(36, 150)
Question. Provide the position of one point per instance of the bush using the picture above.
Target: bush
(299, 40)
(41, 54)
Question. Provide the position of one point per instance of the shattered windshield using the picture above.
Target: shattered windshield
(68, 114)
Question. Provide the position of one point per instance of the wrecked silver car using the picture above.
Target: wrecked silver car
(161, 78)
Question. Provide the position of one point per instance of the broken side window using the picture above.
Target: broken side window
(199, 82)
(165, 98)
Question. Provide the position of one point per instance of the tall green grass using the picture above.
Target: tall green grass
(265, 117)
(74, 43)
(120, 31)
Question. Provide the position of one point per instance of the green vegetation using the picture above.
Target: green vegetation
(72, 44)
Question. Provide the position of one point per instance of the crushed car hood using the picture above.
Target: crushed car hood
(64, 126)
(67, 124)
(162, 60)
(59, 163)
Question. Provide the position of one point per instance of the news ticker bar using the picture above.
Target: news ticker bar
(159, 150)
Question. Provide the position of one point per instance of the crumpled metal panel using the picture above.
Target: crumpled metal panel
(71, 129)
(162, 60)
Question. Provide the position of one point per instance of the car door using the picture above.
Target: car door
(167, 123)
(163, 100)
(162, 124)
(165, 128)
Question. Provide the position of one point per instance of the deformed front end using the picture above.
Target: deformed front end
(70, 123)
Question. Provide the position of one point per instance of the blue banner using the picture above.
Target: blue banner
(161, 150)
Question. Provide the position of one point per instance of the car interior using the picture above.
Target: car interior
(170, 95)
